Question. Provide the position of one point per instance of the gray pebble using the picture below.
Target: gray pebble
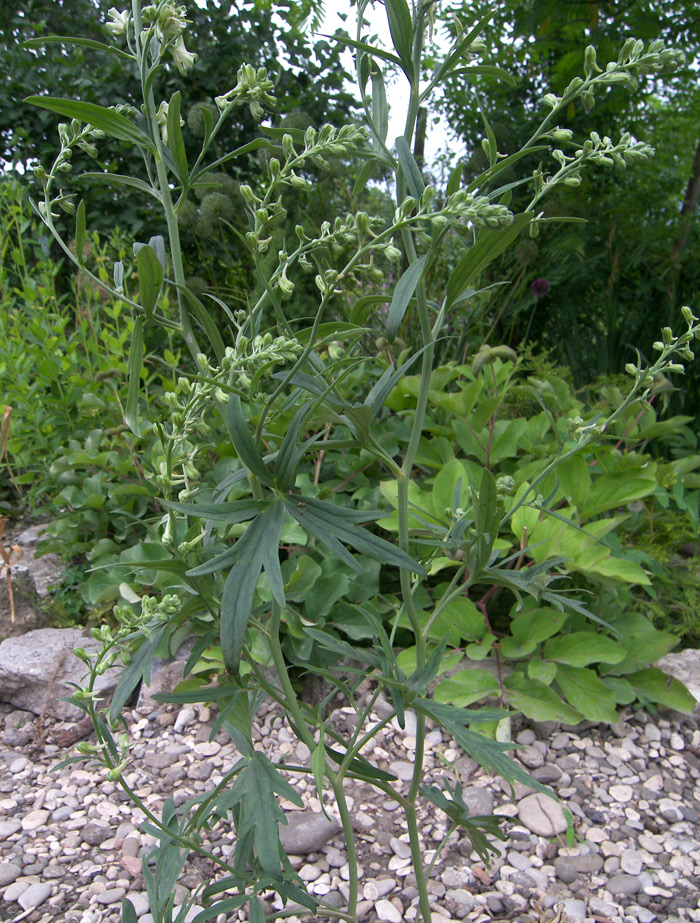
(575, 910)
(565, 870)
(631, 862)
(111, 896)
(478, 799)
(399, 848)
(402, 769)
(34, 896)
(95, 834)
(306, 831)
(8, 828)
(624, 885)
(9, 871)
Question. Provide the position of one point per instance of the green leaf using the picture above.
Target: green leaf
(466, 687)
(403, 293)
(475, 827)
(205, 320)
(122, 180)
(644, 643)
(128, 912)
(288, 457)
(537, 701)
(625, 694)
(80, 231)
(363, 46)
(134, 366)
(260, 548)
(581, 648)
(176, 143)
(537, 624)
(401, 28)
(487, 521)
(380, 113)
(409, 168)
(587, 693)
(612, 490)
(239, 433)
(330, 525)
(653, 685)
(107, 120)
(150, 278)
(233, 512)
(490, 244)
(138, 670)
(488, 753)
(542, 671)
(80, 42)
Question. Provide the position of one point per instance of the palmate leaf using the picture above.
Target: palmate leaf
(475, 827)
(333, 525)
(254, 793)
(260, 544)
(488, 753)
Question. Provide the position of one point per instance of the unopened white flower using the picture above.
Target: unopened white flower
(119, 23)
(183, 58)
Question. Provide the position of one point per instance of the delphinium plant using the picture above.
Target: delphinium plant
(298, 403)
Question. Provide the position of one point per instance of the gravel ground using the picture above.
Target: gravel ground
(70, 846)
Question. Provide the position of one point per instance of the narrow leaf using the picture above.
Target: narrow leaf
(176, 143)
(237, 428)
(107, 120)
(401, 27)
(80, 42)
(80, 231)
(409, 168)
(128, 912)
(122, 180)
(403, 293)
(380, 109)
(135, 364)
(138, 669)
(150, 278)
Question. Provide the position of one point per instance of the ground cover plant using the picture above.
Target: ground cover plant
(321, 508)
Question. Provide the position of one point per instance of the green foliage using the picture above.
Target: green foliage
(326, 512)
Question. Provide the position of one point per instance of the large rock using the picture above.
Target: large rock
(36, 668)
(307, 831)
(31, 580)
(684, 666)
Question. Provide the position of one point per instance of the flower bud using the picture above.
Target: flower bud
(631, 369)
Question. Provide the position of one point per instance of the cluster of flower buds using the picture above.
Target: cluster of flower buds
(600, 152)
(72, 135)
(167, 20)
(632, 62)
(480, 211)
(675, 350)
(252, 87)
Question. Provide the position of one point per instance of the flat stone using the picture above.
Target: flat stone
(95, 834)
(566, 872)
(399, 848)
(631, 862)
(387, 912)
(111, 896)
(547, 774)
(13, 891)
(34, 896)
(139, 900)
(587, 864)
(597, 905)
(530, 757)
(542, 815)
(34, 820)
(624, 885)
(575, 910)
(621, 793)
(9, 827)
(9, 872)
(306, 831)
(158, 759)
(478, 799)
(402, 769)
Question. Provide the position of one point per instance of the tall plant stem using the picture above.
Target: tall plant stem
(292, 706)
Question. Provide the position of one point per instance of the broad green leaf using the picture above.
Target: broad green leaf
(581, 648)
(653, 685)
(261, 548)
(537, 701)
(481, 649)
(150, 278)
(403, 293)
(407, 659)
(575, 477)
(401, 28)
(466, 687)
(645, 644)
(107, 120)
(461, 620)
(445, 486)
(541, 670)
(612, 490)
(624, 691)
(537, 624)
(587, 693)
(514, 650)
(135, 364)
(176, 143)
(409, 168)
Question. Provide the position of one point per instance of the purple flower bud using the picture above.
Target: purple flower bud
(540, 288)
